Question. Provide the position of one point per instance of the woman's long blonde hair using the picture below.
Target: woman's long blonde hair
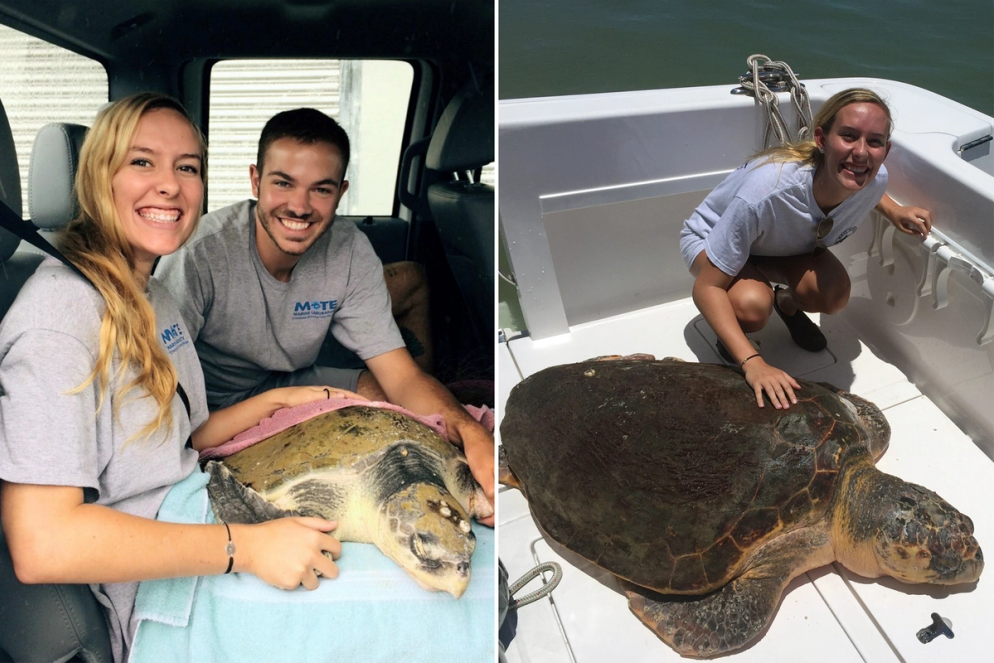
(806, 151)
(95, 242)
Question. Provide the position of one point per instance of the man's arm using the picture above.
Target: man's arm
(408, 386)
(190, 289)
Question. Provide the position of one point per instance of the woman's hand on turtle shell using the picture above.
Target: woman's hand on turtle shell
(293, 396)
(779, 386)
(288, 552)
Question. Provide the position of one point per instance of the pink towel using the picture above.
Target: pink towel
(483, 414)
(283, 419)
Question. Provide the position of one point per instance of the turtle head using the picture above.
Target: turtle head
(915, 535)
(424, 530)
(923, 538)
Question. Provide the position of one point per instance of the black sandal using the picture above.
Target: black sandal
(804, 333)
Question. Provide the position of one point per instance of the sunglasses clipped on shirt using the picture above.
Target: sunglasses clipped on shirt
(821, 232)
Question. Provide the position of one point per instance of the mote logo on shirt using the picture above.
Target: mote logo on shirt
(314, 309)
(173, 338)
(845, 233)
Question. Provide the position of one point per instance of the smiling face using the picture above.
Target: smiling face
(854, 147)
(298, 187)
(158, 190)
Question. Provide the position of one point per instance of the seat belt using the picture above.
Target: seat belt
(12, 221)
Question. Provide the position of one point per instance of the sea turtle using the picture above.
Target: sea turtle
(666, 474)
(384, 477)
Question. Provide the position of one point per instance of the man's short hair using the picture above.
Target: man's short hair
(306, 125)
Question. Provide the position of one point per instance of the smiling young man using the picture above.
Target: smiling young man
(771, 221)
(263, 282)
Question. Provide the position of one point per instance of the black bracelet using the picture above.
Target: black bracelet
(742, 363)
(230, 549)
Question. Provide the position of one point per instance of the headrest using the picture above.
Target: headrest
(464, 137)
(10, 183)
(54, 160)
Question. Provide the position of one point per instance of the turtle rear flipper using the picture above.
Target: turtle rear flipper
(740, 610)
(234, 502)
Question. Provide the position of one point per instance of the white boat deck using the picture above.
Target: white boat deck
(828, 614)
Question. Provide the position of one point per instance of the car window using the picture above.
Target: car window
(44, 83)
(369, 98)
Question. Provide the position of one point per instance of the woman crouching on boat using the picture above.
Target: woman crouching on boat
(771, 220)
(102, 411)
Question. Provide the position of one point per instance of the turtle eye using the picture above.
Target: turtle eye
(420, 544)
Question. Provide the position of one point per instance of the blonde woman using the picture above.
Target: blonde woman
(93, 426)
(771, 220)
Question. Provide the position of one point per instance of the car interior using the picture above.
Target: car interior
(437, 208)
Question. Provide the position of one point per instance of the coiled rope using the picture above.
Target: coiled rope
(545, 590)
(766, 73)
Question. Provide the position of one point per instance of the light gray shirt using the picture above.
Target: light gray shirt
(247, 324)
(770, 210)
(49, 342)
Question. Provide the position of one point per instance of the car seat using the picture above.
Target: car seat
(42, 622)
(463, 208)
(15, 267)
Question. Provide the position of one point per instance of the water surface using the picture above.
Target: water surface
(556, 47)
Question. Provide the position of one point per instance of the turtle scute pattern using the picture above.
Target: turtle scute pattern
(684, 480)
(351, 439)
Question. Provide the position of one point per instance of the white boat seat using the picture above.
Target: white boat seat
(42, 622)
(463, 210)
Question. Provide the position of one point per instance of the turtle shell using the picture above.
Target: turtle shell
(348, 439)
(666, 473)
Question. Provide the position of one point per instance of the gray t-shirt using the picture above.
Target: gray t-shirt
(769, 210)
(49, 342)
(247, 324)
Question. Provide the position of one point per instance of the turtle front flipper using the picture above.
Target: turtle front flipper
(734, 615)
(234, 502)
(505, 475)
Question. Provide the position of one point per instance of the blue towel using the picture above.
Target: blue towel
(373, 611)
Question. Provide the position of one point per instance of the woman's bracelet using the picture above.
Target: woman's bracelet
(742, 363)
(229, 549)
